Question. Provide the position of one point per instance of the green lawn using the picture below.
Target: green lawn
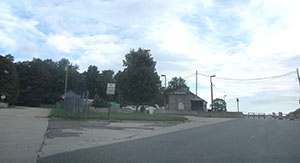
(59, 113)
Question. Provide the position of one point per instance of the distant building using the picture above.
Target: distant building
(70, 94)
(183, 99)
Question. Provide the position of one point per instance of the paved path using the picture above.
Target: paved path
(22, 133)
(236, 141)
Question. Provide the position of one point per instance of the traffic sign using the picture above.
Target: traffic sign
(111, 87)
(3, 97)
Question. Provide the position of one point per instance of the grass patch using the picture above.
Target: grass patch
(60, 113)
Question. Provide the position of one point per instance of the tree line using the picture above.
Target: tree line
(36, 82)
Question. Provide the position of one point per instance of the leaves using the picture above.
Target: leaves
(219, 105)
(9, 83)
(139, 82)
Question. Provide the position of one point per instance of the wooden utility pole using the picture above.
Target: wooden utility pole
(66, 81)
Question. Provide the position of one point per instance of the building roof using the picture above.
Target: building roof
(70, 94)
(186, 91)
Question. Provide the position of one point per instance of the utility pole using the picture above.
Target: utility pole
(165, 90)
(196, 83)
(237, 104)
(298, 76)
(211, 91)
(66, 80)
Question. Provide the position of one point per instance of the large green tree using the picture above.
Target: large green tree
(139, 82)
(35, 80)
(91, 78)
(176, 83)
(219, 105)
(9, 84)
(43, 82)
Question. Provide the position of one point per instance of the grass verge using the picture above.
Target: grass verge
(60, 113)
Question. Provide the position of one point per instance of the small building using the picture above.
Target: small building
(70, 94)
(183, 99)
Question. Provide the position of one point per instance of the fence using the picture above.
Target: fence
(3, 105)
(74, 103)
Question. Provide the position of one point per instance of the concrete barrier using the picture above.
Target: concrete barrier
(3, 105)
(201, 114)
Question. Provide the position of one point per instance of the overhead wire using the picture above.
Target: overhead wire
(250, 79)
(261, 78)
(189, 76)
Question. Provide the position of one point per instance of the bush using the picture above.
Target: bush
(98, 102)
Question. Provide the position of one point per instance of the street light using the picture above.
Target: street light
(224, 97)
(165, 76)
(211, 91)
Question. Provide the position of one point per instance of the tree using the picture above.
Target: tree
(9, 83)
(35, 81)
(91, 77)
(75, 80)
(139, 82)
(98, 102)
(176, 83)
(105, 77)
(219, 105)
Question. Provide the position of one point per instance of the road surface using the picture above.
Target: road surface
(236, 141)
(21, 133)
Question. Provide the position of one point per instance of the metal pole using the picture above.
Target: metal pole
(196, 83)
(298, 76)
(66, 80)
(165, 76)
(238, 109)
(165, 91)
(211, 93)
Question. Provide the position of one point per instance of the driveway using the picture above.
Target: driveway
(22, 133)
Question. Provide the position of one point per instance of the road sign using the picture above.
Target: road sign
(3, 97)
(111, 87)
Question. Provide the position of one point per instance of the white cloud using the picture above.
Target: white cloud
(64, 43)
(229, 39)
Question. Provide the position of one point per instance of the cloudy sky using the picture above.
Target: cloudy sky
(230, 39)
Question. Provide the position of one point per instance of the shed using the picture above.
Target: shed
(183, 99)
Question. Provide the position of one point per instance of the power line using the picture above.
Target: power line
(189, 76)
(251, 79)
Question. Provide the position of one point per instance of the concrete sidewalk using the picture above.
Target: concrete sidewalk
(22, 133)
(66, 135)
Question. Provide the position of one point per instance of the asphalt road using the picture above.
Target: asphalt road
(236, 141)
(21, 133)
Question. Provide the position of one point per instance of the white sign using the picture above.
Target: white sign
(111, 87)
(3, 97)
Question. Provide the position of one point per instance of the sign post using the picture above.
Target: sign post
(3, 97)
(237, 104)
(111, 87)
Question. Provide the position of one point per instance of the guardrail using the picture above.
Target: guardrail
(200, 114)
